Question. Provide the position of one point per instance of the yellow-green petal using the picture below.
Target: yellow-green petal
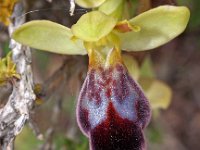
(132, 66)
(93, 26)
(89, 3)
(158, 26)
(48, 36)
(146, 69)
(158, 93)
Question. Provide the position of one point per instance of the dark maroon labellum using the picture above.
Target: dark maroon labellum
(112, 110)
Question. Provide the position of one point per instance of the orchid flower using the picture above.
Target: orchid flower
(112, 110)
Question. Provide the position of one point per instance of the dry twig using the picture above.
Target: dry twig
(16, 112)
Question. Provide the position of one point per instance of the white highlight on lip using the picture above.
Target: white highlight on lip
(126, 107)
(97, 111)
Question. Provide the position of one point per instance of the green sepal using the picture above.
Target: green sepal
(158, 26)
(113, 8)
(48, 36)
(89, 3)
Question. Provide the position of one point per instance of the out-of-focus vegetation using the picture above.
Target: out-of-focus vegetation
(6, 10)
(194, 6)
(176, 64)
(7, 70)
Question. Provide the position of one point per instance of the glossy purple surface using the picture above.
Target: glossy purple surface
(112, 110)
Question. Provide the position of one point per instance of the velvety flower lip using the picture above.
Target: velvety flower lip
(112, 109)
(116, 133)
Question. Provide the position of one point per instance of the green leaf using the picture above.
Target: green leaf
(158, 26)
(48, 36)
(113, 8)
(158, 93)
(93, 26)
(89, 3)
